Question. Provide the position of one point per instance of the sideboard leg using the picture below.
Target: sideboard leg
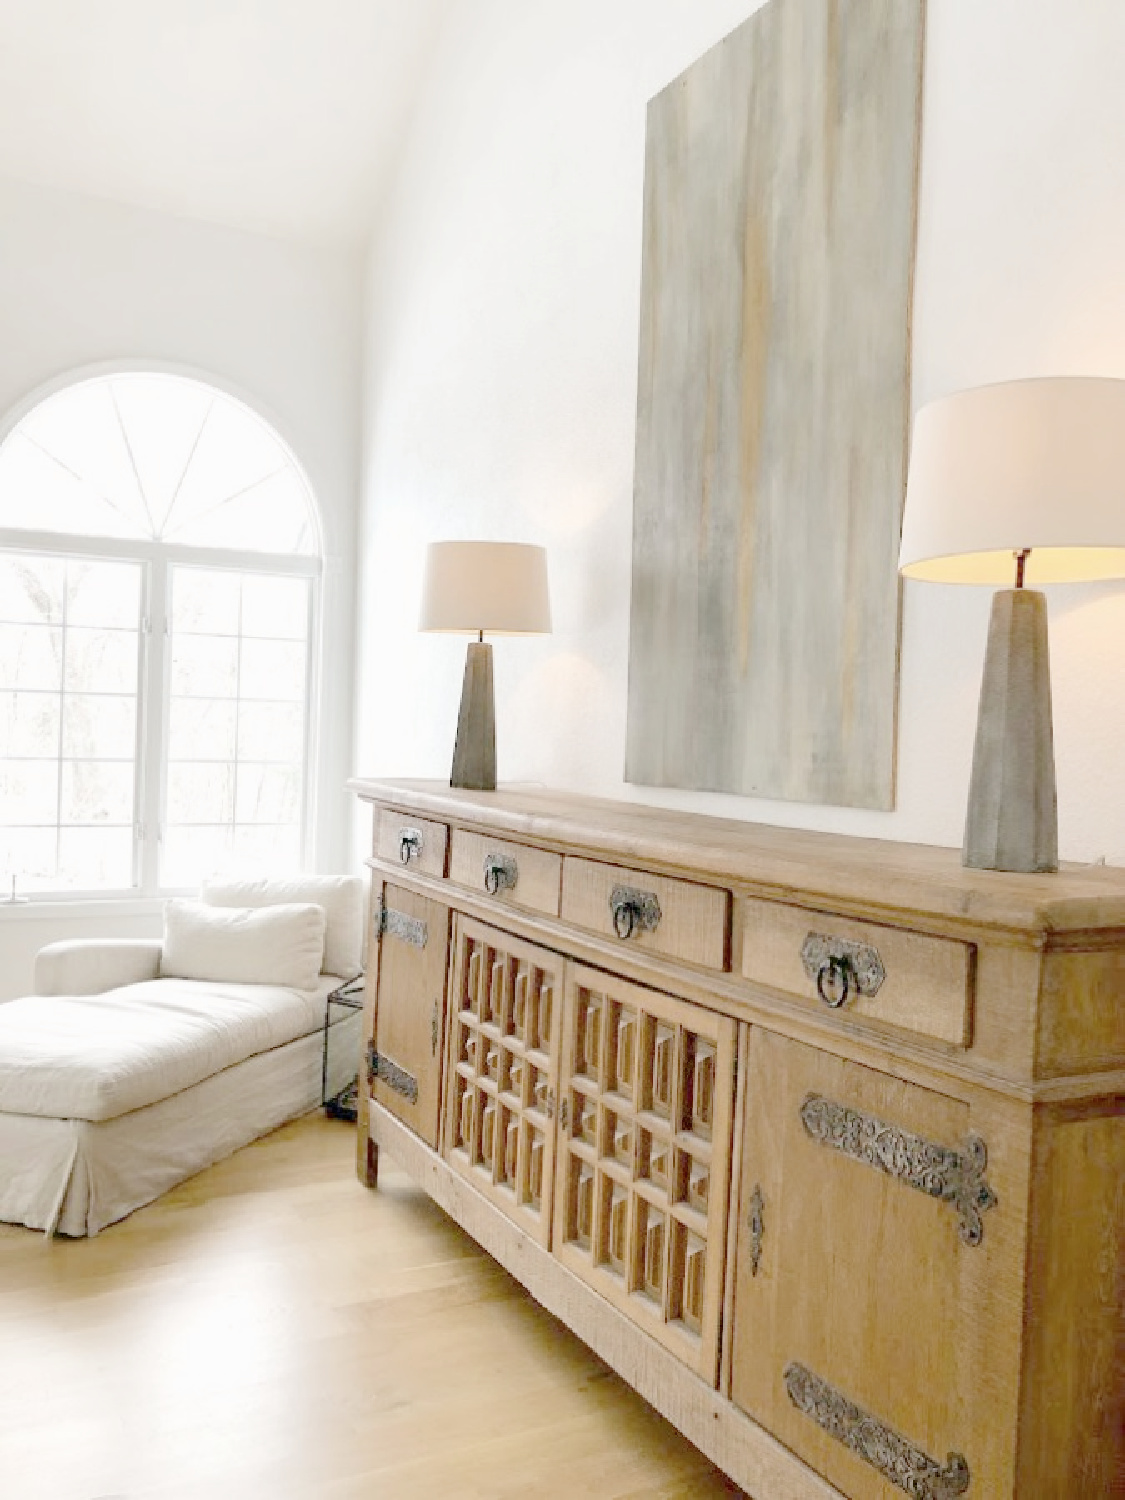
(371, 1173)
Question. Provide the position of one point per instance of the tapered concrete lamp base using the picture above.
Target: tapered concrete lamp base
(1012, 822)
(474, 755)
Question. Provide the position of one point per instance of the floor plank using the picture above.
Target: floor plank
(271, 1329)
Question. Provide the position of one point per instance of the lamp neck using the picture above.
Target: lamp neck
(1021, 562)
(480, 636)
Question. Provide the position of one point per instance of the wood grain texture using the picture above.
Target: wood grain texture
(428, 857)
(410, 1010)
(863, 1272)
(928, 983)
(694, 919)
(502, 1071)
(270, 1331)
(614, 1130)
(869, 877)
(773, 403)
(538, 872)
(1072, 1423)
(899, 1297)
(741, 1448)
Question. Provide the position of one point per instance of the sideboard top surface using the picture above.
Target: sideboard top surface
(784, 863)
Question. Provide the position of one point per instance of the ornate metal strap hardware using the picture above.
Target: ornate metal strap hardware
(840, 967)
(396, 1078)
(409, 844)
(895, 1457)
(500, 873)
(956, 1177)
(757, 1225)
(633, 911)
(435, 1028)
(407, 929)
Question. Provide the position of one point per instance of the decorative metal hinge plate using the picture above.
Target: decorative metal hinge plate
(633, 911)
(407, 929)
(757, 1226)
(385, 1071)
(955, 1177)
(837, 966)
(500, 873)
(895, 1457)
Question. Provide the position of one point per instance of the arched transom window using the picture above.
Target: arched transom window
(159, 558)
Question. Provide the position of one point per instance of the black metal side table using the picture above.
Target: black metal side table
(342, 1106)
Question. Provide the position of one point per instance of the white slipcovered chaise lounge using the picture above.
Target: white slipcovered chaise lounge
(136, 1064)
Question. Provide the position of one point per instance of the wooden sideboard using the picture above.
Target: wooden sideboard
(817, 1141)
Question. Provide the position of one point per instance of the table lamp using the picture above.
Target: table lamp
(500, 587)
(1022, 482)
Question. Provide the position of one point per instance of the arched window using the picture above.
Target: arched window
(159, 560)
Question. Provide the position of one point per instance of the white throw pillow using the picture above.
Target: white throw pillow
(243, 945)
(341, 896)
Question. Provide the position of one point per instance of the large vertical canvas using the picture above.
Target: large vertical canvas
(773, 406)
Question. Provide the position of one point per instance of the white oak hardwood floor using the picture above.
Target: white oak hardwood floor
(272, 1331)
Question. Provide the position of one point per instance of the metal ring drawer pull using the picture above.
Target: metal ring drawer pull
(500, 873)
(841, 968)
(409, 845)
(633, 911)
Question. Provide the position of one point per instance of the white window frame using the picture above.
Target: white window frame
(154, 679)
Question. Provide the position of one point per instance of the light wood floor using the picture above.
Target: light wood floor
(271, 1329)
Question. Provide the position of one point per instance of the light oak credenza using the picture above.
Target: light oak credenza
(817, 1141)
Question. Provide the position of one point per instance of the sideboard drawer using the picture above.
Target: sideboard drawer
(674, 917)
(514, 874)
(912, 980)
(418, 844)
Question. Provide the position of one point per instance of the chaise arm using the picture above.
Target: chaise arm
(90, 966)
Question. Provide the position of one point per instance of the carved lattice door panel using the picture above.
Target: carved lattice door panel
(644, 1157)
(410, 1008)
(868, 1235)
(503, 1071)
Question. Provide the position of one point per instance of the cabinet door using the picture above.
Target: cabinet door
(867, 1244)
(410, 1009)
(503, 1070)
(642, 1182)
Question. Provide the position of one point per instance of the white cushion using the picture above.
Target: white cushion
(341, 896)
(281, 945)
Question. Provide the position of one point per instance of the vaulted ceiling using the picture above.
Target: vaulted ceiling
(281, 116)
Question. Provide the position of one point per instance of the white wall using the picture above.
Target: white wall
(500, 384)
(84, 282)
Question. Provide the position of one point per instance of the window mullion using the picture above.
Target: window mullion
(153, 726)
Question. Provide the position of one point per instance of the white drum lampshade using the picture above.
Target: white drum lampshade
(499, 587)
(1013, 483)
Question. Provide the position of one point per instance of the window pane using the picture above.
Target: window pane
(204, 666)
(276, 608)
(202, 729)
(206, 602)
(271, 731)
(273, 669)
(268, 794)
(200, 793)
(36, 490)
(29, 792)
(101, 661)
(189, 855)
(102, 593)
(32, 589)
(29, 725)
(97, 791)
(30, 855)
(96, 858)
(30, 656)
(268, 846)
(99, 726)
